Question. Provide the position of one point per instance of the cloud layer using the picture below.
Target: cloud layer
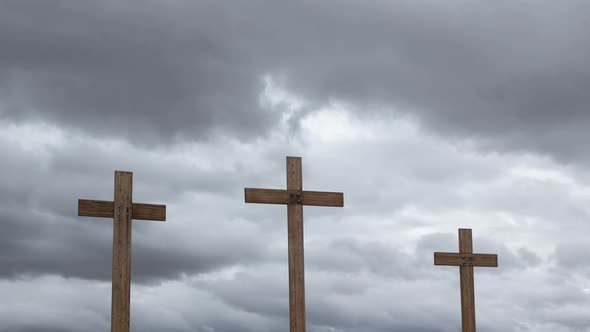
(428, 116)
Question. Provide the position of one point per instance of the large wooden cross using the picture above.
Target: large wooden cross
(295, 197)
(122, 210)
(466, 259)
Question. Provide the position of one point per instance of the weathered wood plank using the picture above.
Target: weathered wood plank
(467, 284)
(144, 211)
(94, 208)
(281, 196)
(106, 209)
(121, 294)
(447, 258)
(465, 241)
(456, 259)
(296, 268)
(467, 298)
(266, 196)
(484, 260)
(295, 244)
(323, 198)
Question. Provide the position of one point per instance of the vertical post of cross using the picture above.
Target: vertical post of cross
(295, 245)
(466, 282)
(121, 290)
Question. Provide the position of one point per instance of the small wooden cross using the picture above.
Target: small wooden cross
(295, 197)
(466, 259)
(122, 210)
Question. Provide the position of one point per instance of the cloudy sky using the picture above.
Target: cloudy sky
(428, 115)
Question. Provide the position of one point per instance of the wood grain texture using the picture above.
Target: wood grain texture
(294, 174)
(447, 258)
(106, 209)
(465, 241)
(296, 268)
(484, 260)
(295, 244)
(266, 196)
(142, 211)
(94, 208)
(280, 196)
(466, 282)
(457, 259)
(121, 294)
(467, 298)
(323, 198)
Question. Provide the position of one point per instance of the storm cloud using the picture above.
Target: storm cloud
(430, 116)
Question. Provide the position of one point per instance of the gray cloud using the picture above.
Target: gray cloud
(172, 91)
(83, 249)
(98, 67)
(365, 263)
(41, 329)
(515, 85)
(42, 205)
(194, 69)
(350, 256)
(572, 256)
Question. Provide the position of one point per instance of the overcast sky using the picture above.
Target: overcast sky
(429, 115)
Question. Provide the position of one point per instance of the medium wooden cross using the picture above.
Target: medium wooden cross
(122, 210)
(295, 197)
(466, 259)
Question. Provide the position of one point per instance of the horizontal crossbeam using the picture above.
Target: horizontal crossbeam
(458, 259)
(106, 209)
(281, 196)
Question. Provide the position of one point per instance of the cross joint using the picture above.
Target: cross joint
(466, 259)
(296, 197)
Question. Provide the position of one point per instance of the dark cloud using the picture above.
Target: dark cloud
(173, 92)
(327, 309)
(351, 256)
(178, 70)
(82, 248)
(148, 74)
(516, 85)
(42, 328)
(42, 205)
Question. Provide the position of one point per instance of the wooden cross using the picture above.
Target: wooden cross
(295, 197)
(466, 259)
(122, 210)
